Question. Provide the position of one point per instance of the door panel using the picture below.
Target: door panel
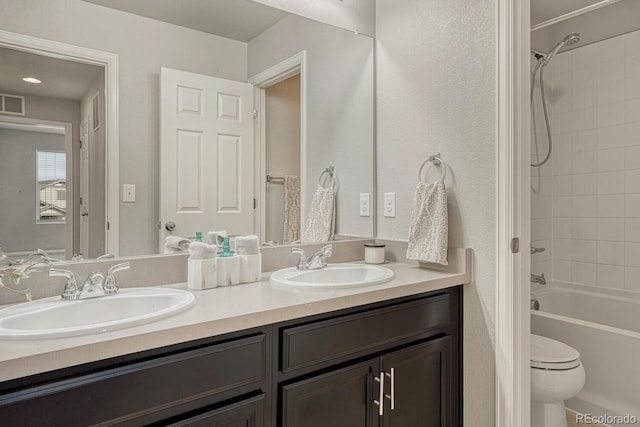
(421, 388)
(206, 154)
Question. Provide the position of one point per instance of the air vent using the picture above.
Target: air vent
(12, 104)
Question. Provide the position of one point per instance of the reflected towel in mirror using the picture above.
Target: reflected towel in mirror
(321, 223)
(291, 228)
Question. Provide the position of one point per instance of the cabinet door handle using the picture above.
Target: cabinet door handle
(392, 397)
(380, 401)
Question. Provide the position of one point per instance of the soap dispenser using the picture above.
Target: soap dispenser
(228, 266)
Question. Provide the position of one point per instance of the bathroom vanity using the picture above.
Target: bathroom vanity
(373, 360)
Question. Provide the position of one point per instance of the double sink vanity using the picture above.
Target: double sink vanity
(348, 344)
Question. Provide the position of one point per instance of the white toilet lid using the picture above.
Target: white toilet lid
(547, 351)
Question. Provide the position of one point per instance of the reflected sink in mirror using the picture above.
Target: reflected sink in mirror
(335, 276)
(54, 318)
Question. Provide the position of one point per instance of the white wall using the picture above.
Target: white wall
(339, 105)
(591, 206)
(143, 46)
(282, 117)
(19, 231)
(436, 93)
(351, 14)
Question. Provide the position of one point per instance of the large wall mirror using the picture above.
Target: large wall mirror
(232, 115)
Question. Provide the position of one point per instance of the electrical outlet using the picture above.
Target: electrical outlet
(365, 204)
(390, 205)
(129, 193)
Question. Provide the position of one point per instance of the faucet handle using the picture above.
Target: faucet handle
(71, 291)
(327, 250)
(302, 260)
(110, 285)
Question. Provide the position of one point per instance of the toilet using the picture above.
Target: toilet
(556, 375)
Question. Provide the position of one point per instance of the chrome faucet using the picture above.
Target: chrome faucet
(316, 261)
(538, 278)
(96, 284)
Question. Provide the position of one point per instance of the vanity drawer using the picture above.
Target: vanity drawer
(354, 335)
(136, 391)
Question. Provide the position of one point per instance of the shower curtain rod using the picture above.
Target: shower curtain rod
(573, 14)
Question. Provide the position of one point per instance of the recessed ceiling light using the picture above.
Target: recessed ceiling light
(31, 80)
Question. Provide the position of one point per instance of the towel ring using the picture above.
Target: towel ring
(328, 173)
(436, 161)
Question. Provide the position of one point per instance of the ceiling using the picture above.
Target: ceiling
(543, 10)
(60, 78)
(235, 19)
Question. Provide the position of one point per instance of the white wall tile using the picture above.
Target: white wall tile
(610, 276)
(611, 114)
(632, 44)
(610, 160)
(585, 77)
(584, 97)
(585, 162)
(583, 57)
(632, 206)
(611, 183)
(632, 134)
(562, 164)
(583, 120)
(584, 250)
(541, 208)
(612, 49)
(563, 249)
(562, 229)
(632, 229)
(632, 181)
(632, 157)
(582, 228)
(541, 186)
(609, 71)
(611, 229)
(541, 229)
(562, 185)
(562, 270)
(584, 206)
(632, 278)
(609, 93)
(563, 122)
(610, 206)
(632, 254)
(632, 88)
(632, 111)
(585, 141)
(612, 253)
(584, 184)
(611, 137)
(562, 207)
(544, 255)
(561, 64)
(584, 273)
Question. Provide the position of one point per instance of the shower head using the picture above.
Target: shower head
(569, 40)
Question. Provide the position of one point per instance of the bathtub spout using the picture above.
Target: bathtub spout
(538, 278)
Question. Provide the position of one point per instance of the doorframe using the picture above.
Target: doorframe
(68, 142)
(109, 61)
(512, 339)
(296, 64)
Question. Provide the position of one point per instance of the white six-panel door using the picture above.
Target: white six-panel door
(206, 155)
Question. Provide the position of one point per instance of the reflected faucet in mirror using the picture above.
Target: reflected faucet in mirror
(538, 278)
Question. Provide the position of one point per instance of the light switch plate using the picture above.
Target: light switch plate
(390, 205)
(128, 193)
(365, 204)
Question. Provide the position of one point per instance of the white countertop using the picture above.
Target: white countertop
(216, 311)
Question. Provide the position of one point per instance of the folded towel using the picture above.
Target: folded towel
(429, 224)
(199, 250)
(321, 219)
(291, 229)
(247, 245)
(175, 242)
(169, 251)
(216, 237)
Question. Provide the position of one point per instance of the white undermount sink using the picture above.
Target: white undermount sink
(334, 276)
(54, 318)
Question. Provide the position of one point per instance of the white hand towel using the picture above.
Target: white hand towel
(321, 219)
(291, 229)
(247, 245)
(216, 237)
(429, 224)
(200, 250)
(176, 242)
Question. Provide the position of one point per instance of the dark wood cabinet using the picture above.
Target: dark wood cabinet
(322, 370)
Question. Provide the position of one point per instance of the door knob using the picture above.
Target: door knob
(85, 214)
(170, 225)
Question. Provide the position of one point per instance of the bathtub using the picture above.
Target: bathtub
(604, 326)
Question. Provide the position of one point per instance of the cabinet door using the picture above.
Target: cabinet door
(420, 387)
(338, 398)
(248, 413)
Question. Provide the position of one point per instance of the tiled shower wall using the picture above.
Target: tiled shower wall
(586, 202)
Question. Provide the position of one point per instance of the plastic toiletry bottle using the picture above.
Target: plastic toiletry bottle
(198, 236)
(226, 248)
